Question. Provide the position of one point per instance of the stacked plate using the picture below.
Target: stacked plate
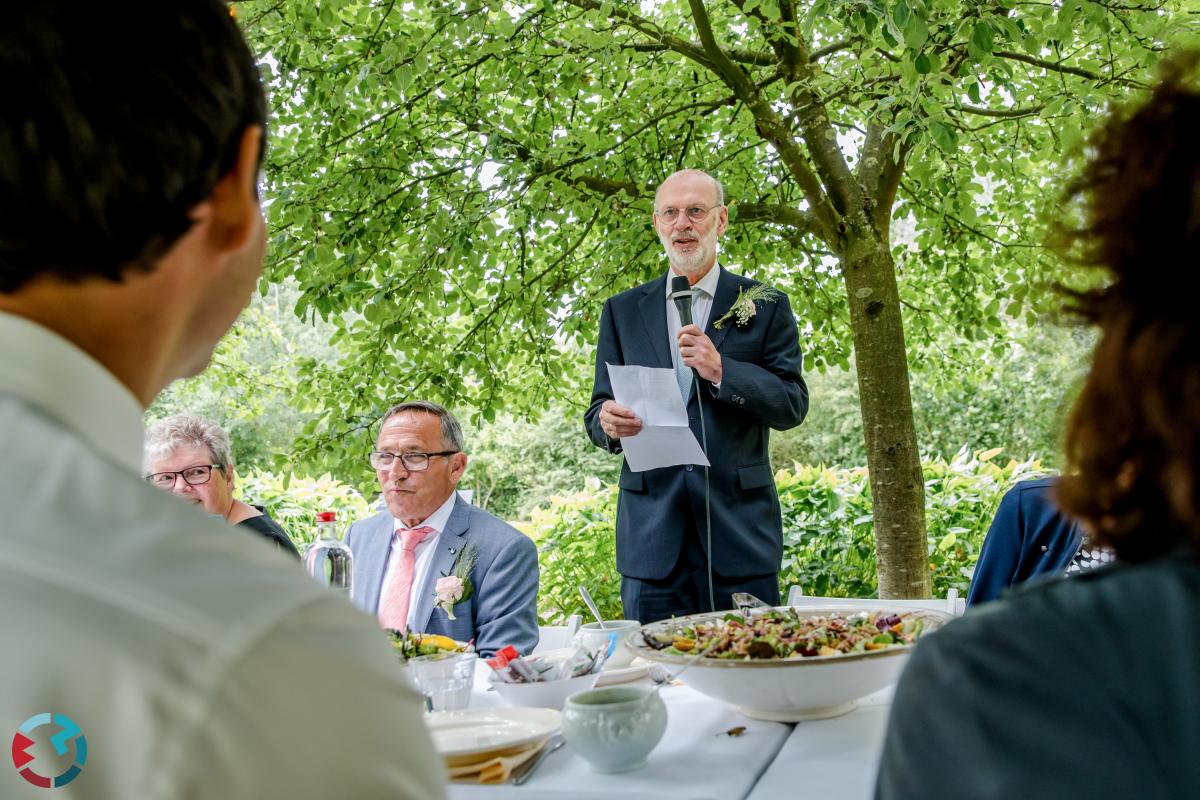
(475, 734)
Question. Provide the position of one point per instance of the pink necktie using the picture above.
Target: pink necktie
(393, 611)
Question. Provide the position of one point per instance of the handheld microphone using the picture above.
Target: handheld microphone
(681, 293)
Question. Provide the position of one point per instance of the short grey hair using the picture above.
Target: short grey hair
(186, 430)
(720, 190)
(452, 435)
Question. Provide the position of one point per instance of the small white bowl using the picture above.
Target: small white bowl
(594, 637)
(544, 694)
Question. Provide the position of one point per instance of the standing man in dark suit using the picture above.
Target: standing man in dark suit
(747, 365)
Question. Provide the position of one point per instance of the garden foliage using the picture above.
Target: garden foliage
(829, 546)
(294, 502)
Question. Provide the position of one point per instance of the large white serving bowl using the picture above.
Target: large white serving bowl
(792, 690)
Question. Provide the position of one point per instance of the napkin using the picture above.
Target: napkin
(495, 769)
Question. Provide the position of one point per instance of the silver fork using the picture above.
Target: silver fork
(526, 770)
(662, 676)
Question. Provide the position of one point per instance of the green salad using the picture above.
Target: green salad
(785, 634)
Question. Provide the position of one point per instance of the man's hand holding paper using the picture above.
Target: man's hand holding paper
(649, 418)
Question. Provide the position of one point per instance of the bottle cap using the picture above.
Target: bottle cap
(326, 516)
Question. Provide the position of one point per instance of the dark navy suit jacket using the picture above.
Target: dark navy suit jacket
(1028, 537)
(761, 388)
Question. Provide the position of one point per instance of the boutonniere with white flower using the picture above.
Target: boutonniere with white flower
(744, 308)
(455, 588)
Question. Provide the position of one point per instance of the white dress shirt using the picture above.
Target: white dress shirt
(702, 299)
(197, 663)
(423, 555)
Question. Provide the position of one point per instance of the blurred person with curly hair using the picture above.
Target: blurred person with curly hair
(1090, 687)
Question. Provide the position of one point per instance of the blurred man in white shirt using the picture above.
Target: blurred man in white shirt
(189, 660)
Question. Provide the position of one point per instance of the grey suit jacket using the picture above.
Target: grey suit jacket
(502, 610)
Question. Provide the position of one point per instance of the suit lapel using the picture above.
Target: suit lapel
(726, 294)
(375, 560)
(449, 545)
(653, 308)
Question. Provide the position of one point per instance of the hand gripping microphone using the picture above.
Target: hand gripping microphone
(681, 293)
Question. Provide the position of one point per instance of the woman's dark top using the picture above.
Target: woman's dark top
(269, 529)
(1087, 687)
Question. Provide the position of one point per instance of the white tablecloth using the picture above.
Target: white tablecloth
(830, 758)
(694, 760)
(833, 758)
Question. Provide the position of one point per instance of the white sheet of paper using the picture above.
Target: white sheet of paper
(665, 439)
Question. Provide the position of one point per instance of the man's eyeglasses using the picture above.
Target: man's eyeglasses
(413, 462)
(694, 213)
(192, 476)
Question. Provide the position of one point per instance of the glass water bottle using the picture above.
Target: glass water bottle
(328, 559)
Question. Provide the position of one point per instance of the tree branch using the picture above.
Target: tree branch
(1058, 67)
(802, 221)
(830, 49)
(1002, 113)
(737, 54)
(648, 28)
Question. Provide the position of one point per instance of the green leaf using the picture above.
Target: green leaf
(916, 33)
(980, 45)
(944, 136)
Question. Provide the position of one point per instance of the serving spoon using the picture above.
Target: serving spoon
(591, 604)
(746, 603)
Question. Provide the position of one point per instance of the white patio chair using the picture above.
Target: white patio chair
(951, 604)
(552, 637)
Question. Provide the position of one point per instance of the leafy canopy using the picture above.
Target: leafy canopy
(457, 185)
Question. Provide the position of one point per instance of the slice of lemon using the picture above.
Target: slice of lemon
(438, 641)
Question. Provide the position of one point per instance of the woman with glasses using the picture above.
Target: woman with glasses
(190, 457)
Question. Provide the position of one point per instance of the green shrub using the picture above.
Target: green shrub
(576, 538)
(294, 501)
(829, 542)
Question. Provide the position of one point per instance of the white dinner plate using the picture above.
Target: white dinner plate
(465, 736)
(636, 670)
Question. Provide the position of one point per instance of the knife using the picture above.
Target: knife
(527, 769)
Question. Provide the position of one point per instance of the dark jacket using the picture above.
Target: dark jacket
(1030, 536)
(761, 388)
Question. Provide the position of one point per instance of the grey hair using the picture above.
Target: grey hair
(452, 435)
(186, 430)
(716, 184)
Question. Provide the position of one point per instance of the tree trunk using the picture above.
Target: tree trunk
(894, 464)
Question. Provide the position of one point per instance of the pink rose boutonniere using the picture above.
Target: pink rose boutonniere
(452, 589)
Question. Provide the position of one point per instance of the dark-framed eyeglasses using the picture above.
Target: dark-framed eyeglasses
(694, 213)
(192, 476)
(413, 462)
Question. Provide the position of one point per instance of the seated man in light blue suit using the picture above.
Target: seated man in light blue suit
(429, 533)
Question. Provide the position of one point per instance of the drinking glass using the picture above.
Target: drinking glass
(445, 679)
